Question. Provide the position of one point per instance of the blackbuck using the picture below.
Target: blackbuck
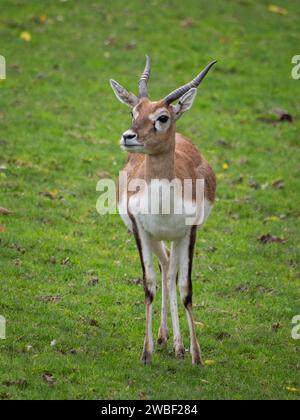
(158, 153)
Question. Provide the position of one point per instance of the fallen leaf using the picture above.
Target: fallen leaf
(279, 184)
(103, 175)
(25, 36)
(111, 41)
(276, 327)
(21, 383)
(142, 396)
(278, 10)
(137, 281)
(209, 362)
(223, 143)
(4, 212)
(187, 23)
(271, 219)
(2, 229)
(53, 260)
(225, 166)
(283, 115)
(254, 184)
(131, 45)
(66, 261)
(49, 298)
(223, 336)
(291, 389)
(276, 116)
(265, 290)
(243, 288)
(43, 18)
(49, 379)
(212, 249)
(266, 239)
(93, 282)
(199, 324)
(239, 180)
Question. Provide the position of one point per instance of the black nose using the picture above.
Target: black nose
(129, 137)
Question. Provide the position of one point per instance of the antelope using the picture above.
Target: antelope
(158, 152)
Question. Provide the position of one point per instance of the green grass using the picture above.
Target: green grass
(59, 127)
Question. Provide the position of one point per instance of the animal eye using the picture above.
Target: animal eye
(163, 119)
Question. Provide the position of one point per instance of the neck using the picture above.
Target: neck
(161, 166)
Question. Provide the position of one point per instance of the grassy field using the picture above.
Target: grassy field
(68, 274)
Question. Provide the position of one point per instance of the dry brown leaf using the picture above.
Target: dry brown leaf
(187, 23)
(266, 239)
(49, 298)
(21, 383)
(279, 184)
(4, 212)
(66, 261)
(131, 45)
(276, 327)
(137, 281)
(93, 282)
(243, 288)
(265, 290)
(103, 174)
(49, 379)
(2, 229)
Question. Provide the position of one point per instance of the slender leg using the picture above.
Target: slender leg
(160, 251)
(172, 276)
(187, 248)
(143, 241)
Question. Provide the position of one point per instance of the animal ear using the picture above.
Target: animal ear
(123, 95)
(185, 103)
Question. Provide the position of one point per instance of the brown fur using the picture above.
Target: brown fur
(188, 164)
(170, 155)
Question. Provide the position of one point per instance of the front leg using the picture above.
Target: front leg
(143, 241)
(160, 251)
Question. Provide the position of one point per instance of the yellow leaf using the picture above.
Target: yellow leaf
(225, 166)
(43, 18)
(209, 362)
(25, 36)
(272, 219)
(278, 10)
(54, 193)
(291, 389)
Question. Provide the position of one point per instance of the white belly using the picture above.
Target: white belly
(164, 227)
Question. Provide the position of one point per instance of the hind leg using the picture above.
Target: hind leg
(187, 247)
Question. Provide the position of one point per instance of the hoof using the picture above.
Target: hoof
(198, 362)
(162, 342)
(180, 352)
(196, 358)
(146, 358)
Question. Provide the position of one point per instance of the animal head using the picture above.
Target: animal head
(153, 123)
